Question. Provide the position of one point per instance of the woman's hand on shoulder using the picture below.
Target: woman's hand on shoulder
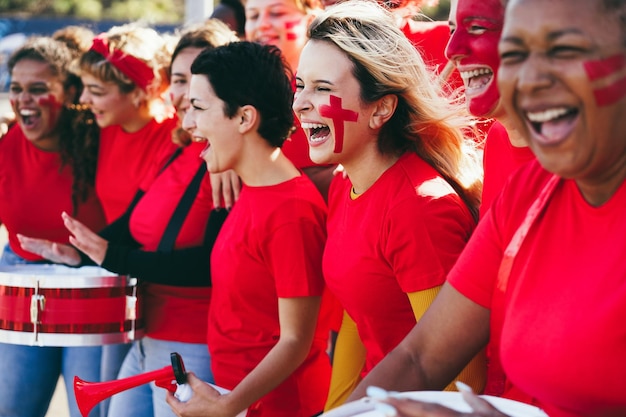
(226, 187)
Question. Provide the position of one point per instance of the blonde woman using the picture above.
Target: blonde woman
(409, 205)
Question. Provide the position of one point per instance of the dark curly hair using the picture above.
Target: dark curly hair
(79, 135)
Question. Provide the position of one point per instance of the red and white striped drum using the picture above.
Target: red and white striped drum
(55, 305)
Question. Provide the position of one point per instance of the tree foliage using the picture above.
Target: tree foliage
(156, 11)
(439, 11)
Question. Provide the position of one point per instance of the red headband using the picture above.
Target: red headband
(135, 69)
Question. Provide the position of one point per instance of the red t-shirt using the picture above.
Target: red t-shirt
(171, 312)
(563, 338)
(500, 159)
(125, 158)
(400, 236)
(270, 247)
(34, 192)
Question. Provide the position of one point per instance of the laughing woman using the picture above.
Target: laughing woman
(265, 340)
(47, 166)
(549, 255)
(396, 227)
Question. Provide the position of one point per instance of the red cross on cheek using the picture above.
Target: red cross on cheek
(338, 116)
(610, 69)
(291, 35)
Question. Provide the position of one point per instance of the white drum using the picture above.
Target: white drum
(454, 400)
(55, 305)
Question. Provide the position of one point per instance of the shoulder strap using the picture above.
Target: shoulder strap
(184, 205)
(171, 159)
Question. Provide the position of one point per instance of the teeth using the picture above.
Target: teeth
(546, 115)
(312, 125)
(466, 75)
(27, 112)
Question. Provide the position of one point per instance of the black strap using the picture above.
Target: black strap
(171, 159)
(178, 217)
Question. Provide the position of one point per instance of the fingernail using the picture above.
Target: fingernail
(463, 387)
(386, 409)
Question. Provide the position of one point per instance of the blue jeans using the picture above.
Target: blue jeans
(29, 374)
(10, 258)
(149, 354)
(112, 358)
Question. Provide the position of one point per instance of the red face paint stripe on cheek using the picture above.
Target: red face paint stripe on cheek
(611, 94)
(604, 67)
(53, 104)
(338, 116)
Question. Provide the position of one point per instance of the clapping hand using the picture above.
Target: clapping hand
(81, 238)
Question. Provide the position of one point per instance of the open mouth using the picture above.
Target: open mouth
(553, 124)
(206, 147)
(477, 79)
(317, 132)
(29, 117)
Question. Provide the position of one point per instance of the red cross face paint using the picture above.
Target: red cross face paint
(290, 34)
(338, 115)
(277, 22)
(609, 78)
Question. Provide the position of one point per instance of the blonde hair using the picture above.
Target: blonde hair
(309, 6)
(385, 62)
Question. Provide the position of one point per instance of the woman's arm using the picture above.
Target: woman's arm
(298, 319)
(474, 374)
(451, 332)
(180, 267)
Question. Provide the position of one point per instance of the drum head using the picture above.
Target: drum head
(454, 400)
(55, 305)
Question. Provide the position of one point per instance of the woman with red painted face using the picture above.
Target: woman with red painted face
(476, 27)
(399, 221)
(545, 271)
(47, 166)
(429, 37)
(473, 48)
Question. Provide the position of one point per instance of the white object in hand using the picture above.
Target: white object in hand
(184, 392)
